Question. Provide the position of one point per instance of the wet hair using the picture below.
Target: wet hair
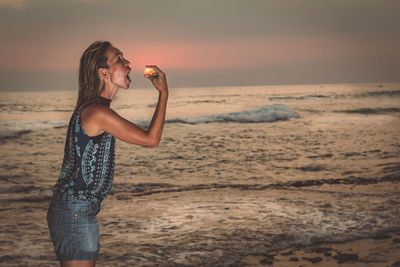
(90, 84)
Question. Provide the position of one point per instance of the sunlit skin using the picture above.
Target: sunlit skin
(98, 118)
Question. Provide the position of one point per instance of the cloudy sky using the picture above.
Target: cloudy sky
(203, 42)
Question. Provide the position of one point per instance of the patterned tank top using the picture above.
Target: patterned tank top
(88, 167)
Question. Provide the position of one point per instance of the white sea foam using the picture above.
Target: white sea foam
(267, 113)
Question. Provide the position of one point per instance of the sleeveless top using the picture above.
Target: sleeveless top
(88, 167)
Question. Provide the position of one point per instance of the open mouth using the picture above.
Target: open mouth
(127, 76)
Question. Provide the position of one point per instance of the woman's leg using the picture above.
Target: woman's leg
(78, 263)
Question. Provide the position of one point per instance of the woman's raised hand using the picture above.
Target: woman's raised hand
(159, 81)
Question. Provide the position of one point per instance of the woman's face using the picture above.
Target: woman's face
(118, 68)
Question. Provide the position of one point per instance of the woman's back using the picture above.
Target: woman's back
(88, 165)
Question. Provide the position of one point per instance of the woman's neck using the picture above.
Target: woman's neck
(103, 101)
(109, 92)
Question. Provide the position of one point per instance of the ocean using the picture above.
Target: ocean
(239, 171)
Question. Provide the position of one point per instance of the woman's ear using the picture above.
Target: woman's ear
(103, 73)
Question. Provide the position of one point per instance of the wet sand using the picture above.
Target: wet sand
(235, 225)
(382, 250)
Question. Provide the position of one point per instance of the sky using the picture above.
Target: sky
(203, 42)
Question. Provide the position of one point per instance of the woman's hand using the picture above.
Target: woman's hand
(159, 81)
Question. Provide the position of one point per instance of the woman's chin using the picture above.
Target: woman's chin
(126, 86)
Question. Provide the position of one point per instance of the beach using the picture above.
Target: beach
(296, 175)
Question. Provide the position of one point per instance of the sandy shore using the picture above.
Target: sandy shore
(298, 224)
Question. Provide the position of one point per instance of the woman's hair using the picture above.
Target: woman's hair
(90, 85)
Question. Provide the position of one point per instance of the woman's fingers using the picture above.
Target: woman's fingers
(159, 81)
(157, 69)
(152, 72)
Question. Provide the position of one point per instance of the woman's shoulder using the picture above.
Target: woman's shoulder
(92, 116)
(99, 114)
(95, 109)
(95, 104)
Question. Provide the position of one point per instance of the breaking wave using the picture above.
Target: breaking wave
(267, 113)
(270, 113)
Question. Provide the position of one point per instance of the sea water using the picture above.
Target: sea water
(239, 170)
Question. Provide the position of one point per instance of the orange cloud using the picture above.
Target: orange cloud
(244, 53)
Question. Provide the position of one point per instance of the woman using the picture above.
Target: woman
(88, 165)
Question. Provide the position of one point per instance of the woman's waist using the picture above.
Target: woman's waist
(76, 205)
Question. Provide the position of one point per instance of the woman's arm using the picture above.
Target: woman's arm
(157, 122)
(100, 118)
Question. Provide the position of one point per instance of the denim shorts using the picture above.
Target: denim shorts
(74, 229)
